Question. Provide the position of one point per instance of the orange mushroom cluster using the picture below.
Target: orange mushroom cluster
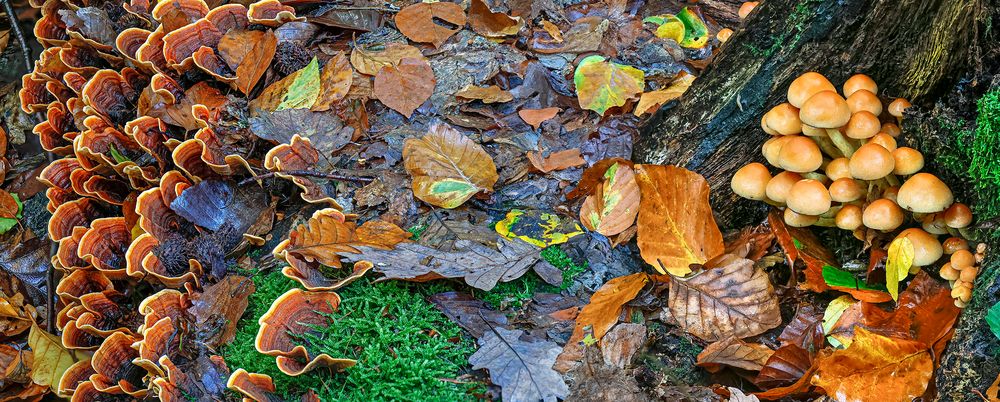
(840, 164)
(962, 268)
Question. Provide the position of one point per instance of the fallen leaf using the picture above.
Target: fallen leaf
(615, 203)
(490, 94)
(335, 82)
(844, 281)
(835, 311)
(553, 31)
(537, 227)
(9, 206)
(621, 343)
(695, 31)
(734, 352)
(668, 26)
(676, 226)
(468, 312)
(15, 316)
(296, 91)
(324, 130)
(214, 204)
(447, 167)
(898, 263)
(249, 54)
(594, 175)
(369, 60)
(51, 359)
(522, 369)
(599, 315)
(584, 36)
(735, 299)
(652, 100)
(218, 309)
(405, 86)
(491, 24)
(786, 366)
(418, 22)
(535, 117)
(737, 395)
(558, 160)
(801, 243)
(601, 85)
(873, 367)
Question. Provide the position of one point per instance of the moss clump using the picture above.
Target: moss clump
(974, 155)
(516, 292)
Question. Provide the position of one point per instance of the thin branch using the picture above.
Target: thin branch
(309, 173)
(16, 28)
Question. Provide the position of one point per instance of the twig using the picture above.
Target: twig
(309, 173)
(16, 27)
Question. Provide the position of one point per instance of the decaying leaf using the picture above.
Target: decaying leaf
(734, 299)
(615, 202)
(734, 352)
(652, 100)
(491, 24)
(249, 54)
(470, 313)
(51, 359)
(490, 94)
(559, 160)
(15, 316)
(601, 85)
(537, 227)
(405, 86)
(898, 263)
(676, 226)
(417, 21)
(218, 309)
(523, 369)
(9, 205)
(296, 91)
(873, 367)
(598, 316)
(622, 342)
(447, 167)
(535, 117)
(334, 81)
(369, 60)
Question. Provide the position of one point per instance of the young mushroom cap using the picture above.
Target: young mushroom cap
(898, 106)
(838, 169)
(891, 129)
(908, 161)
(825, 109)
(871, 162)
(864, 101)
(958, 215)
(724, 35)
(862, 125)
(808, 197)
(934, 224)
(807, 85)
(800, 154)
(926, 248)
(883, 214)
(954, 244)
(962, 258)
(859, 82)
(968, 274)
(849, 217)
(885, 140)
(846, 190)
(784, 119)
(746, 8)
(779, 186)
(763, 125)
(772, 149)
(924, 193)
(751, 181)
(798, 220)
(948, 272)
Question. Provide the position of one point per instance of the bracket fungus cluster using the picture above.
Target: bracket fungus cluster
(841, 163)
(146, 106)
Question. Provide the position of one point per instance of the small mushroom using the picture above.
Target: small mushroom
(772, 147)
(808, 197)
(798, 220)
(846, 190)
(883, 214)
(807, 85)
(968, 274)
(954, 244)
(958, 216)
(898, 106)
(784, 119)
(849, 217)
(828, 111)
(859, 82)
(926, 248)
(962, 258)
(885, 140)
(948, 272)
(862, 125)
(763, 125)
(746, 8)
(871, 162)
(934, 224)
(908, 161)
(751, 181)
(864, 101)
(724, 34)
(924, 193)
(838, 169)
(891, 129)
(779, 186)
(800, 154)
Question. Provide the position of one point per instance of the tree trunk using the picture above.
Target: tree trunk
(939, 54)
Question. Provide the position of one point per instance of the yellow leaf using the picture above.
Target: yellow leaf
(51, 359)
(650, 101)
(447, 167)
(898, 263)
(833, 312)
(601, 85)
(536, 227)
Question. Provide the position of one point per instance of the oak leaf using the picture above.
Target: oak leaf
(249, 54)
(51, 359)
(523, 369)
(675, 222)
(873, 367)
(734, 352)
(614, 204)
(447, 167)
(405, 86)
(417, 21)
(601, 85)
(491, 24)
(369, 60)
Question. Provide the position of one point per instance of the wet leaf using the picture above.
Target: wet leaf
(10, 207)
(844, 281)
(51, 359)
(594, 175)
(491, 24)
(695, 31)
(615, 202)
(786, 366)
(296, 91)
(490, 94)
(213, 204)
(249, 54)
(468, 312)
(734, 352)
(668, 26)
(622, 342)
(652, 100)
(447, 167)
(802, 244)
(15, 316)
(898, 263)
(418, 22)
(559, 160)
(834, 311)
(598, 316)
(404, 87)
(523, 369)
(335, 82)
(369, 60)
(601, 85)
(535, 117)
(873, 367)
(537, 227)
(218, 309)
(676, 226)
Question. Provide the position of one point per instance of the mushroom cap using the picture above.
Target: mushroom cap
(891, 129)
(863, 100)
(954, 244)
(898, 106)
(908, 161)
(958, 215)
(724, 35)
(948, 272)
(808, 197)
(746, 8)
(784, 119)
(885, 140)
(924, 193)
(813, 131)
(849, 217)
(968, 274)
(807, 85)
(751, 181)
(862, 125)
(779, 186)
(926, 248)
(800, 154)
(846, 190)
(962, 258)
(763, 125)
(825, 109)
(798, 220)
(772, 148)
(838, 169)
(883, 214)
(859, 82)
(934, 224)
(871, 162)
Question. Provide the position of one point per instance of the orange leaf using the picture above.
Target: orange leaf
(417, 21)
(676, 226)
(560, 160)
(335, 82)
(594, 175)
(490, 94)
(652, 100)
(734, 352)
(874, 367)
(490, 24)
(249, 54)
(447, 167)
(800, 243)
(406, 86)
(601, 313)
(615, 203)
(370, 60)
(8, 205)
(535, 117)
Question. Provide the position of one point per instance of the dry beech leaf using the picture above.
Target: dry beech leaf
(8, 205)
(622, 342)
(734, 352)
(218, 309)
(490, 24)
(369, 60)
(652, 100)
(594, 175)
(601, 85)
(296, 91)
(417, 21)
(490, 94)
(559, 160)
(676, 226)
(598, 316)
(404, 87)
(51, 359)
(249, 54)
(523, 369)
(447, 167)
(734, 299)
(553, 31)
(535, 117)
(873, 367)
(335, 82)
(615, 203)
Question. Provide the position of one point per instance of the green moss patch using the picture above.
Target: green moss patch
(516, 292)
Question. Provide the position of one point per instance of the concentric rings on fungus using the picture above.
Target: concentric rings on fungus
(292, 314)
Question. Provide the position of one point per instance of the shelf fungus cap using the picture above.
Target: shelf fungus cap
(779, 186)
(883, 214)
(871, 162)
(908, 161)
(825, 109)
(846, 190)
(807, 85)
(898, 106)
(798, 220)
(751, 181)
(863, 125)
(958, 216)
(800, 154)
(784, 119)
(849, 217)
(808, 197)
(926, 248)
(859, 82)
(924, 193)
(864, 101)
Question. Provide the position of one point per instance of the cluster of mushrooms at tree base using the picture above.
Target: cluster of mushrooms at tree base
(840, 165)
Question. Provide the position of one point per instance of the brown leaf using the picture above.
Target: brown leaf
(490, 24)
(801, 243)
(417, 21)
(249, 54)
(406, 86)
(676, 226)
(535, 117)
(8, 205)
(594, 175)
(993, 392)
(622, 342)
(218, 309)
(15, 316)
(652, 100)
(522, 368)
(735, 299)
(490, 94)
(615, 203)
(369, 60)
(734, 352)
(598, 316)
(559, 160)
(874, 367)
(335, 82)
(785, 367)
(447, 167)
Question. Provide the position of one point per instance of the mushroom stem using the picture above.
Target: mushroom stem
(841, 142)
(952, 231)
(826, 222)
(815, 176)
(892, 180)
(828, 146)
